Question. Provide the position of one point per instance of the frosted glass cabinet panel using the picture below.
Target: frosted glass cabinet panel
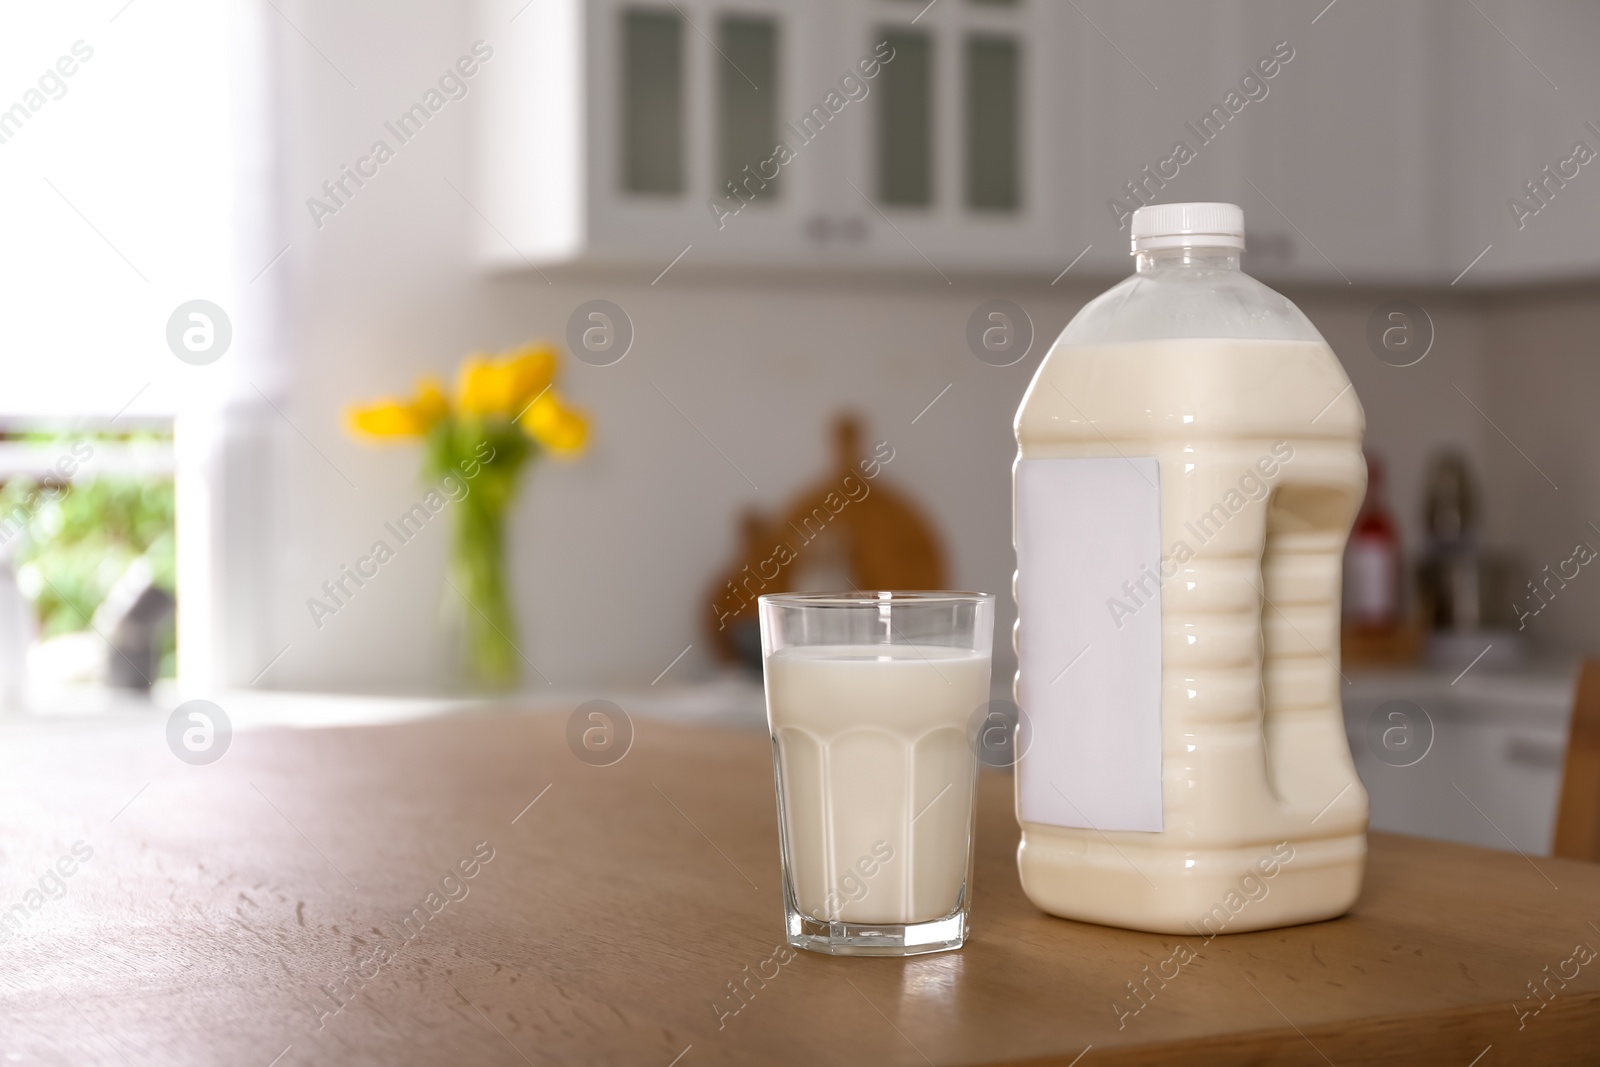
(747, 127)
(992, 143)
(652, 101)
(904, 141)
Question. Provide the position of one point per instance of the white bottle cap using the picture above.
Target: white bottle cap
(1188, 225)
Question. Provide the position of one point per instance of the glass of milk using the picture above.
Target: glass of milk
(873, 700)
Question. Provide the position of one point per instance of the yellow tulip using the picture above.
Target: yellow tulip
(526, 373)
(386, 418)
(389, 417)
(561, 429)
(431, 404)
(478, 388)
(504, 387)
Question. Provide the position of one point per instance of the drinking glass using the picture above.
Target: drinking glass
(873, 700)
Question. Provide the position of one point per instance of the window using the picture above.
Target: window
(95, 272)
(88, 568)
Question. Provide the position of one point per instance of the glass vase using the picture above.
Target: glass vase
(478, 609)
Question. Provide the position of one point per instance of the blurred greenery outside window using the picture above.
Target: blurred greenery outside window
(70, 541)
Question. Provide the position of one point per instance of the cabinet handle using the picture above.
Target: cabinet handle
(1272, 248)
(1534, 752)
(852, 229)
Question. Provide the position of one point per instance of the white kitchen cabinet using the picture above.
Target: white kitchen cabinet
(1142, 72)
(626, 131)
(1348, 147)
(949, 167)
(1330, 149)
(607, 123)
(1516, 109)
(1491, 775)
(995, 139)
(1406, 129)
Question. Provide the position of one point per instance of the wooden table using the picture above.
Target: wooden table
(222, 902)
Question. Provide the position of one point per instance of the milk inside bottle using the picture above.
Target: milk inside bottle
(1188, 467)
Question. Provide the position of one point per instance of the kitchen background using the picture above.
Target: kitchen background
(1431, 152)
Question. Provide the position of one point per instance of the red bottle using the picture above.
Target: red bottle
(1372, 565)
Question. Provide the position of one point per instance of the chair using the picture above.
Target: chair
(1578, 813)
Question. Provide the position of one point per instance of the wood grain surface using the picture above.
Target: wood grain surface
(1578, 811)
(255, 911)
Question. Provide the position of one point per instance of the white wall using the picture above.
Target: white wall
(613, 554)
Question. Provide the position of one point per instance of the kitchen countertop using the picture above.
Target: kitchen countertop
(233, 913)
(1541, 691)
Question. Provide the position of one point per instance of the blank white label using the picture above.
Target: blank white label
(1089, 604)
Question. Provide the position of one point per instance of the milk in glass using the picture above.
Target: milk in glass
(876, 775)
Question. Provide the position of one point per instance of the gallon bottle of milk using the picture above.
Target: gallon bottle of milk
(1188, 467)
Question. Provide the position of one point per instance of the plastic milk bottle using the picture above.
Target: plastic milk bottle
(1188, 467)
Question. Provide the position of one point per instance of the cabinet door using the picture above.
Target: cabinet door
(686, 102)
(1490, 776)
(1327, 133)
(1348, 146)
(1141, 69)
(943, 164)
(1515, 177)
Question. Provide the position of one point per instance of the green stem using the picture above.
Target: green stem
(477, 565)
